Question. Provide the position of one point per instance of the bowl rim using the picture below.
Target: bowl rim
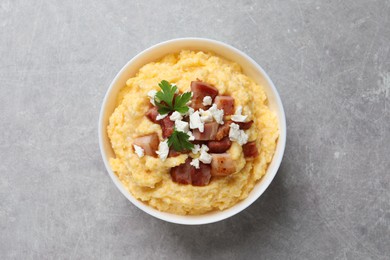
(224, 214)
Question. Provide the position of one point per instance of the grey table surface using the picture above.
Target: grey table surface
(330, 61)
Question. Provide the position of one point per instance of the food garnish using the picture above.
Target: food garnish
(179, 141)
(211, 134)
(168, 101)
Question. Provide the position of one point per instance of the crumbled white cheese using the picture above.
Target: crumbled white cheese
(238, 110)
(204, 156)
(159, 116)
(205, 116)
(181, 126)
(234, 131)
(195, 122)
(204, 148)
(207, 100)
(163, 150)
(238, 117)
(151, 95)
(176, 116)
(196, 149)
(189, 112)
(235, 134)
(139, 150)
(217, 114)
(195, 163)
(191, 136)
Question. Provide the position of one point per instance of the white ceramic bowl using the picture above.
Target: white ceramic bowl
(250, 68)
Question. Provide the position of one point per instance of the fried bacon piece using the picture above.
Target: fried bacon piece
(201, 176)
(182, 173)
(209, 133)
(219, 146)
(222, 164)
(250, 150)
(245, 125)
(167, 126)
(223, 130)
(152, 114)
(226, 103)
(149, 143)
(187, 174)
(199, 91)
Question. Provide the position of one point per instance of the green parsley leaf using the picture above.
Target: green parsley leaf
(179, 141)
(164, 110)
(181, 102)
(166, 101)
(167, 93)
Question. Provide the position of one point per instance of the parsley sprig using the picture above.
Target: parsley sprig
(179, 141)
(166, 101)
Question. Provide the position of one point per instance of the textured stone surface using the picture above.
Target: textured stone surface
(330, 61)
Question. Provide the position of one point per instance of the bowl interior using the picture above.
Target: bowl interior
(249, 67)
